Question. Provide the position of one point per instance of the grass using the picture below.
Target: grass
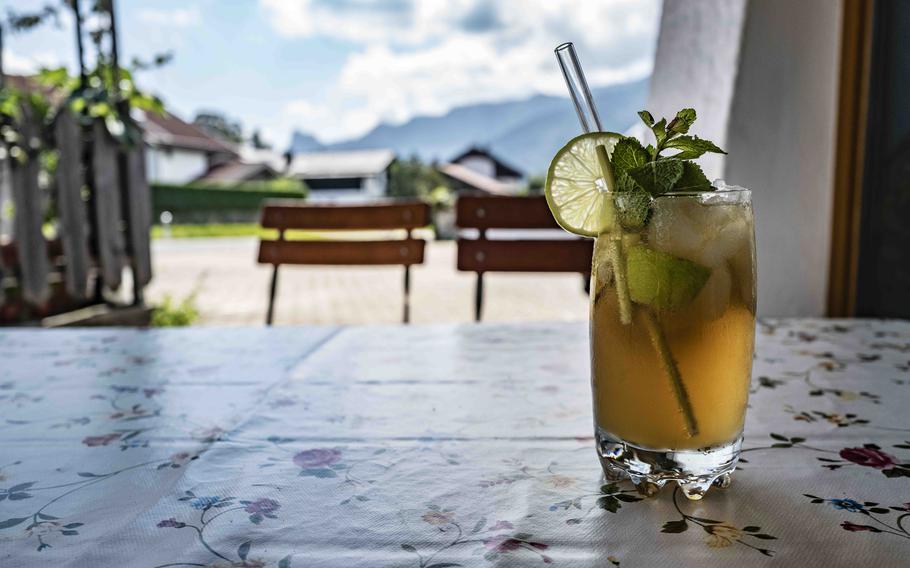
(253, 230)
(175, 314)
(227, 230)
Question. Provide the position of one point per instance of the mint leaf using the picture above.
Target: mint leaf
(692, 179)
(683, 121)
(633, 207)
(646, 118)
(657, 177)
(628, 154)
(692, 147)
(660, 131)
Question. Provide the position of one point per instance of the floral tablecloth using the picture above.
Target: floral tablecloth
(428, 446)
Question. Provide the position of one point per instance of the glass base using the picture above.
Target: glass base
(695, 471)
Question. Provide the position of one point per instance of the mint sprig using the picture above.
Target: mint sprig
(645, 172)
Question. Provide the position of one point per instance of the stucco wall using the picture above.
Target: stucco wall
(695, 66)
(762, 75)
(781, 143)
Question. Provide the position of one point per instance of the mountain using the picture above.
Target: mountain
(303, 142)
(525, 133)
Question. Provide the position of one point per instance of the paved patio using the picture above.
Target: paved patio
(233, 289)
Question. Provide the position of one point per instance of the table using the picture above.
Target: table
(428, 446)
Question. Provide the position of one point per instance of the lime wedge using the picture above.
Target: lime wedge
(575, 189)
(661, 280)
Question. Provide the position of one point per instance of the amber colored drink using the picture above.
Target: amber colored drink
(710, 338)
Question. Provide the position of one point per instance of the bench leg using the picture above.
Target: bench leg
(478, 297)
(272, 289)
(407, 294)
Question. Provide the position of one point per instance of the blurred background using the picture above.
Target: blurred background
(142, 138)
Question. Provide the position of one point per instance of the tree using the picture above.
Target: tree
(257, 142)
(412, 178)
(535, 184)
(217, 124)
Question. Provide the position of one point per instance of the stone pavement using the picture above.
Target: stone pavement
(233, 288)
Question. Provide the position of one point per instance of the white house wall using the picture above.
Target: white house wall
(480, 164)
(175, 166)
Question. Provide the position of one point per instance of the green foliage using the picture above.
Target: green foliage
(670, 135)
(692, 178)
(640, 168)
(692, 147)
(441, 197)
(657, 177)
(280, 185)
(20, 22)
(412, 178)
(536, 184)
(17, 108)
(214, 230)
(628, 154)
(200, 198)
(172, 314)
(256, 141)
(219, 125)
(100, 95)
(642, 173)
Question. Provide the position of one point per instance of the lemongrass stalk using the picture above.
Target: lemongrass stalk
(617, 252)
(659, 341)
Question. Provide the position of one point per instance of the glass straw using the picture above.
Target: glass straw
(590, 122)
(578, 88)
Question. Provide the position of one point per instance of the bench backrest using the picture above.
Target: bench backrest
(383, 216)
(516, 255)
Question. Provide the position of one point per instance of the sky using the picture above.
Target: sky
(338, 68)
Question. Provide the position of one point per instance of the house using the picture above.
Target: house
(478, 170)
(179, 152)
(237, 171)
(347, 175)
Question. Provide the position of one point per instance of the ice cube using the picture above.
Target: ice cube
(672, 230)
(724, 239)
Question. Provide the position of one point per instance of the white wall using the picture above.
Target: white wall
(480, 164)
(762, 75)
(174, 166)
(781, 142)
(375, 186)
(695, 66)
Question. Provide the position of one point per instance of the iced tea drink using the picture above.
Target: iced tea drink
(692, 272)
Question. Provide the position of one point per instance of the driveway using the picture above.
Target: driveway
(233, 288)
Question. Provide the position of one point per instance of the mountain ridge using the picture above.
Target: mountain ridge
(524, 132)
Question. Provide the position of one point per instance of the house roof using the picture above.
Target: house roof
(475, 180)
(166, 129)
(251, 155)
(502, 169)
(340, 164)
(163, 129)
(30, 83)
(233, 172)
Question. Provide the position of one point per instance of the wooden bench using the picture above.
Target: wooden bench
(285, 216)
(483, 255)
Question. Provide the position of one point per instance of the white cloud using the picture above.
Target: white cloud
(427, 57)
(179, 17)
(18, 64)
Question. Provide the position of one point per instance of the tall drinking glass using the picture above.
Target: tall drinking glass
(671, 385)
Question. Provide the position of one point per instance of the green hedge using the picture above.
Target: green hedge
(218, 203)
